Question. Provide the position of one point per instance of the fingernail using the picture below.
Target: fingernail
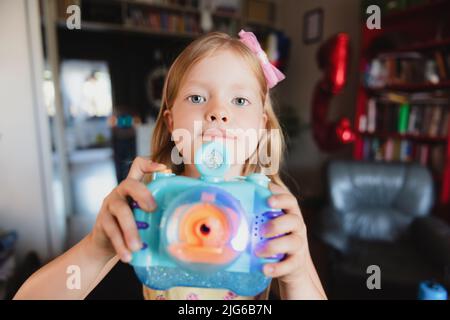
(135, 245)
(272, 202)
(126, 257)
(151, 205)
(268, 269)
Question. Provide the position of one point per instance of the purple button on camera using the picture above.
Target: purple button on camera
(272, 215)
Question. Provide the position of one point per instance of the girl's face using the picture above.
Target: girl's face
(219, 99)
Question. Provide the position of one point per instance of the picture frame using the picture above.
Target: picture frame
(313, 26)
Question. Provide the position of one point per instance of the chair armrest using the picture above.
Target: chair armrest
(330, 229)
(432, 236)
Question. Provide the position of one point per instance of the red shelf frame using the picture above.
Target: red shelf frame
(411, 87)
(394, 135)
(423, 21)
(420, 46)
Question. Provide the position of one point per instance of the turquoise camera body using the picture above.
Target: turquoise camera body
(204, 231)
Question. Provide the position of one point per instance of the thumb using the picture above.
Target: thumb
(141, 166)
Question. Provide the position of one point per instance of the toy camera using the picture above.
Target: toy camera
(204, 231)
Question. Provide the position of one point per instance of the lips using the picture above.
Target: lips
(213, 133)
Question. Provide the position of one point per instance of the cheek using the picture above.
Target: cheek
(187, 126)
(252, 128)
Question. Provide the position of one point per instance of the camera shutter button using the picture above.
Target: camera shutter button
(162, 173)
(259, 179)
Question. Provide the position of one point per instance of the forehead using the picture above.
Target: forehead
(223, 68)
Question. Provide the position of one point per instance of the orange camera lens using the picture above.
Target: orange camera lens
(204, 235)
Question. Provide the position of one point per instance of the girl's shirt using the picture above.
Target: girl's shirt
(189, 293)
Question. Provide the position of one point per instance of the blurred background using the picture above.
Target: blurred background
(365, 108)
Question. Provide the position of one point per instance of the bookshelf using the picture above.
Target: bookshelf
(403, 100)
(134, 37)
(171, 18)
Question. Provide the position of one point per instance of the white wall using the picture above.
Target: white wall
(26, 201)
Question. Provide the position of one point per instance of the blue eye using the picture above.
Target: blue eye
(196, 99)
(241, 102)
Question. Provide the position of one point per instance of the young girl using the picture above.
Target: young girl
(223, 84)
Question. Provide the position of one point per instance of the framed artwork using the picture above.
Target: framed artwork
(313, 26)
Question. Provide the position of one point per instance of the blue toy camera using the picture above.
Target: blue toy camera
(204, 231)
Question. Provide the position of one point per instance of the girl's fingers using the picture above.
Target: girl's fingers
(287, 266)
(122, 212)
(141, 166)
(276, 189)
(112, 230)
(139, 192)
(283, 224)
(288, 244)
(285, 201)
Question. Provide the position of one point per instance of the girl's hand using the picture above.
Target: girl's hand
(115, 231)
(294, 243)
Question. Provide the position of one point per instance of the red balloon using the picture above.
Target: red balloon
(333, 59)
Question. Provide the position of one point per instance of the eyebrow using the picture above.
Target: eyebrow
(235, 86)
(196, 83)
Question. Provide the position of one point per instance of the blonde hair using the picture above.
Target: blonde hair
(162, 144)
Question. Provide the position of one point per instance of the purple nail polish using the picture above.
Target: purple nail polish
(141, 225)
(277, 256)
(272, 214)
(134, 205)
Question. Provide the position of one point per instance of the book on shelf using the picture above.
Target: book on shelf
(437, 159)
(412, 121)
(423, 154)
(402, 150)
(443, 127)
(405, 68)
(403, 115)
(371, 115)
(441, 65)
(162, 20)
(405, 151)
(389, 150)
(436, 115)
(424, 118)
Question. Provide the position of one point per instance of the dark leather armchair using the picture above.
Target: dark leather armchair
(379, 214)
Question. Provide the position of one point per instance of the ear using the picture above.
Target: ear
(168, 119)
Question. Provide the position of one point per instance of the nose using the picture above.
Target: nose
(217, 114)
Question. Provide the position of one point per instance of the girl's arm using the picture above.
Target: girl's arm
(306, 287)
(114, 232)
(297, 276)
(59, 278)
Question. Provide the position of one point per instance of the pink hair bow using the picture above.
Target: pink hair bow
(273, 75)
